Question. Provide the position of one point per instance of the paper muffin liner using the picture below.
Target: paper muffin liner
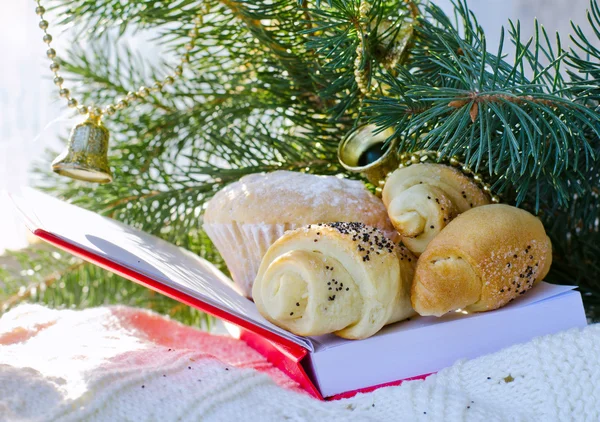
(243, 246)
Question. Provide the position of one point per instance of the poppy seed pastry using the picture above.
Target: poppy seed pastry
(342, 278)
(248, 216)
(482, 260)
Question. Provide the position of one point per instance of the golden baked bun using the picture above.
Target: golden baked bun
(422, 199)
(341, 278)
(482, 260)
(246, 217)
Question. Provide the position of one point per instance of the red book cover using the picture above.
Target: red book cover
(325, 366)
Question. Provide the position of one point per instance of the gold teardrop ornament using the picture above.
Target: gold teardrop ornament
(86, 154)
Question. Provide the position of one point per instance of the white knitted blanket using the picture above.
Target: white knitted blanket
(123, 364)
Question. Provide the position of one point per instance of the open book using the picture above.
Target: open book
(325, 366)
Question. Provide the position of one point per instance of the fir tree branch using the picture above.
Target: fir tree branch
(251, 15)
(31, 290)
(475, 105)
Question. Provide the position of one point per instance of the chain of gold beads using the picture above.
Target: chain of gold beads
(408, 159)
(362, 76)
(121, 103)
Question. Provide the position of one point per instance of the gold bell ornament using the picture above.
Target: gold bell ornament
(365, 150)
(86, 155)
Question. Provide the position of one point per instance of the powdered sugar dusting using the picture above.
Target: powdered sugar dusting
(285, 197)
(307, 188)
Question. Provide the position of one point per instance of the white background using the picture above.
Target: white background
(29, 106)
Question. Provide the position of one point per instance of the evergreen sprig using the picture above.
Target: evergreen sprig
(530, 137)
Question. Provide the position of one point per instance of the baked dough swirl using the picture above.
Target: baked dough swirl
(481, 261)
(341, 278)
(423, 198)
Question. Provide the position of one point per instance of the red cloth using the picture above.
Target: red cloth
(231, 351)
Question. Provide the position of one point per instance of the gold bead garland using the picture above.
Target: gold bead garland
(121, 103)
(408, 159)
(362, 74)
(398, 46)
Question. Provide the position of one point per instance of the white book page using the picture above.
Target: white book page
(425, 345)
(142, 253)
(540, 292)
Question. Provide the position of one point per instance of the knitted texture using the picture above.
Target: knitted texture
(123, 364)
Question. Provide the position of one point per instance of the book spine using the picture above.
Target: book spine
(290, 361)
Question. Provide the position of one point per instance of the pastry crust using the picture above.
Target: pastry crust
(482, 260)
(341, 278)
(423, 198)
(286, 197)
